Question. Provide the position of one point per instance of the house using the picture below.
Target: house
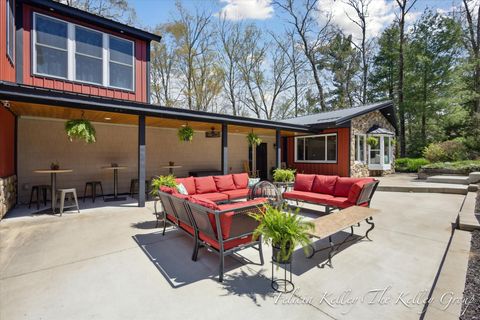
(59, 63)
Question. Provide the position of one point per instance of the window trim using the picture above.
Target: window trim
(74, 66)
(8, 41)
(381, 149)
(71, 56)
(326, 148)
(357, 148)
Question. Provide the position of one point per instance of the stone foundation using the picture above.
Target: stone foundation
(8, 194)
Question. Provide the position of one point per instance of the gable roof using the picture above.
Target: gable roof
(93, 18)
(343, 116)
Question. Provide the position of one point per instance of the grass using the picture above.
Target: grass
(465, 165)
(409, 164)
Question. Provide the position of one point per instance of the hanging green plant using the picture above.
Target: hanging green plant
(372, 142)
(80, 129)
(185, 133)
(253, 139)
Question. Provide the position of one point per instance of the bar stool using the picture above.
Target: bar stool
(63, 194)
(36, 189)
(93, 190)
(134, 187)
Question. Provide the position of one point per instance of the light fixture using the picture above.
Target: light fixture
(108, 118)
(6, 104)
(388, 114)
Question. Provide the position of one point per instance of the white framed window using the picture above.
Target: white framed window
(76, 53)
(10, 30)
(380, 155)
(316, 149)
(360, 148)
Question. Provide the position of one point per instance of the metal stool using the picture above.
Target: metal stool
(62, 195)
(134, 187)
(93, 190)
(36, 189)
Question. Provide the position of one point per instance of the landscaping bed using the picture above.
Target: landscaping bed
(472, 283)
(452, 168)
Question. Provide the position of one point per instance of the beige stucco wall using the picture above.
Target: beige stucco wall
(42, 140)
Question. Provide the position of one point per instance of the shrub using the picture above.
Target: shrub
(451, 150)
(410, 164)
(283, 175)
(465, 166)
(167, 181)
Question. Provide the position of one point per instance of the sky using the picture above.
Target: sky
(265, 15)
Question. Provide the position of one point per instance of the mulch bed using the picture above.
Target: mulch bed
(472, 283)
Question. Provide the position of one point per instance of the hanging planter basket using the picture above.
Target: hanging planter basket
(185, 133)
(253, 139)
(80, 129)
(372, 142)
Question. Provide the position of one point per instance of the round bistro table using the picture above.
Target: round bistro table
(170, 168)
(53, 183)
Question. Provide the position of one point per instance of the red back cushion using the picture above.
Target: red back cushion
(224, 183)
(303, 182)
(324, 184)
(240, 180)
(343, 185)
(188, 183)
(205, 185)
(168, 190)
(356, 189)
(204, 202)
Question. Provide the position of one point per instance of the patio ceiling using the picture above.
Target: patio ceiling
(47, 111)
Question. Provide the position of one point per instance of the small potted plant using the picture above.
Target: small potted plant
(185, 133)
(80, 129)
(253, 139)
(55, 165)
(284, 175)
(284, 230)
(162, 181)
(372, 142)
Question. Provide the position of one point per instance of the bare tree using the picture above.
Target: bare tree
(312, 35)
(473, 44)
(118, 10)
(361, 10)
(404, 6)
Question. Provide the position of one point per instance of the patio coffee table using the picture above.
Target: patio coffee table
(53, 184)
(115, 183)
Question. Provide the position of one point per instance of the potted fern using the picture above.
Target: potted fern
(284, 230)
(284, 175)
(372, 142)
(185, 133)
(254, 141)
(162, 181)
(80, 129)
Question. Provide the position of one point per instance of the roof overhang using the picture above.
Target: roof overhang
(92, 18)
(21, 93)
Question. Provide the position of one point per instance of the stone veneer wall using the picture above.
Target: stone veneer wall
(8, 195)
(360, 125)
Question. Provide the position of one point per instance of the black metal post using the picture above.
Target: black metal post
(141, 160)
(278, 149)
(224, 148)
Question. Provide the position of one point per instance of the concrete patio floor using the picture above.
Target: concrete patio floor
(111, 263)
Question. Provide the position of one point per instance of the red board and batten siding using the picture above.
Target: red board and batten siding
(140, 93)
(341, 168)
(7, 69)
(7, 143)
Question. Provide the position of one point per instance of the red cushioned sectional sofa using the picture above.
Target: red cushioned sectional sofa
(332, 191)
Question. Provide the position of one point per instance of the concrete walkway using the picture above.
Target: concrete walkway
(110, 263)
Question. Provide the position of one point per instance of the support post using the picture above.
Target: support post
(278, 149)
(141, 161)
(224, 148)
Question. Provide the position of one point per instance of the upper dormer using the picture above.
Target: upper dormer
(63, 48)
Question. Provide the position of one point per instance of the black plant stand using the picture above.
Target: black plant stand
(284, 285)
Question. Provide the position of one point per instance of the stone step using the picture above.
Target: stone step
(468, 220)
(474, 177)
(453, 189)
(449, 179)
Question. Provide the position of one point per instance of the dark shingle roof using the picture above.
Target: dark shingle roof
(338, 117)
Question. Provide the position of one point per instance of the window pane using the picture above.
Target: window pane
(315, 148)
(375, 156)
(10, 29)
(51, 32)
(88, 42)
(300, 144)
(51, 61)
(386, 150)
(332, 148)
(121, 51)
(362, 148)
(120, 76)
(88, 69)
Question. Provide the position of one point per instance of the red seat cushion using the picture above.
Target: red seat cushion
(240, 180)
(188, 183)
(307, 196)
(187, 228)
(226, 245)
(171, 217)
(303, 182)
(181, 196)
(168, 190)
(324, 184)
(205, 185)
(343, 185)
(203, 202)
(237, 193)
(224, 183)
(356, 189)
(214, 196)
(342, 203)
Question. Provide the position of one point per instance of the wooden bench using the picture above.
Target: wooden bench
(327, 226)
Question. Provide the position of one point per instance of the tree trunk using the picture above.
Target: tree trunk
(401, 107)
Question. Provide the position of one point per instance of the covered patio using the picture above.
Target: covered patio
(140, 137)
